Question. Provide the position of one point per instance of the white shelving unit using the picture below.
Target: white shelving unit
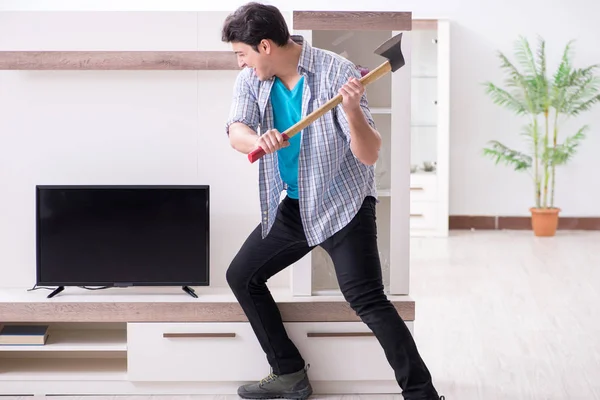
(37, 370)
(78, 340)
(390, 104)
(430, 128)
(78, 351)
(159, 341)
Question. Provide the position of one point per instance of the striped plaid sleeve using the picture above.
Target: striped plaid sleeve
(348, 70)
(244, 107)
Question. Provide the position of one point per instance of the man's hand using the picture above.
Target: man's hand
(351, 93)
(271, 141)
(365, 141)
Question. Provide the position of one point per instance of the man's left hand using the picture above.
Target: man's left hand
(351, 93)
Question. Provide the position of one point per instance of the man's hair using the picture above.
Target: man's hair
(254, 22)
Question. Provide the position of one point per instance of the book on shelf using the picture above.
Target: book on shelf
(24, 335)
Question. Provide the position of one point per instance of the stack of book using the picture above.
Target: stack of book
(23, 335)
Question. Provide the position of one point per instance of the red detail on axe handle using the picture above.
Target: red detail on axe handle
(258, 153)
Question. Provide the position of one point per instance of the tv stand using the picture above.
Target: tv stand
(127, 333)
(56, 291)
(190, 291)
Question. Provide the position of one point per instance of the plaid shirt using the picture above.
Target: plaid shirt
(332, 182)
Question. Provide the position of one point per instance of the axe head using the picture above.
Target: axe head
(392, 50)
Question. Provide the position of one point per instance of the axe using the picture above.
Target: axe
(390, 49)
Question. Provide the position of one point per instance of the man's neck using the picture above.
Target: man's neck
(289, 59)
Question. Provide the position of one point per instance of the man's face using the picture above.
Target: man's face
(250, 58)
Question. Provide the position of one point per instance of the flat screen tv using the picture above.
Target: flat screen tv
(121, 236)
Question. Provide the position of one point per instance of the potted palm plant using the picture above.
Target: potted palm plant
(546, 102)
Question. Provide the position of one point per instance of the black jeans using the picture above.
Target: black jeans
(354, 253)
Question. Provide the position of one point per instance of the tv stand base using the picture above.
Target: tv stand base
(190, 291)
(56, 291)
(186, 289)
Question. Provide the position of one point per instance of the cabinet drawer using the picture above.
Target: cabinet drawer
(194, 352)
(423, 215)
(423, 187)
(340, 351)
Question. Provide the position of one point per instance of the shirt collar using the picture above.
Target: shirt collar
(306, 61)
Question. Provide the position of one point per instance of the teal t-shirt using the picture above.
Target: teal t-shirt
(287, 110)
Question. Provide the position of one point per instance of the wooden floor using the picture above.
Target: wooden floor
(502, 315)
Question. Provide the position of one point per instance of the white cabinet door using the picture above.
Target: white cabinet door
(340, 351)
(194, 352)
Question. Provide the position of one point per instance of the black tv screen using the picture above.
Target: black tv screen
(122, 235)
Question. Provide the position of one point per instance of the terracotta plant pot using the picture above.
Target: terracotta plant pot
(544, 221)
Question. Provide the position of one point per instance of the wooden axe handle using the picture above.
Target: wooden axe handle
(319, 112)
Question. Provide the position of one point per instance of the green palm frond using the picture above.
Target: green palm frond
(503, 98)
(541, 59)
(501, 153)
(542, 83)
(564, 68)
(582, 96)
(525, 56)
(565, 152)
(586, 105)
(562, 80)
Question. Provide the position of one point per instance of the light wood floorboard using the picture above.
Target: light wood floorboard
(505, 315)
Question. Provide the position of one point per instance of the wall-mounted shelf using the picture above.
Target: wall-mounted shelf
(118, 60)
(352, 20)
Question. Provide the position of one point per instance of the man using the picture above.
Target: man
(327, 171)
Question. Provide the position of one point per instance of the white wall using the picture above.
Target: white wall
(52, 130)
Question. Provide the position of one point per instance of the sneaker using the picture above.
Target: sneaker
(294, 386)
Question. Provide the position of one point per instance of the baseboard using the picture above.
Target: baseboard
(491, 222)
